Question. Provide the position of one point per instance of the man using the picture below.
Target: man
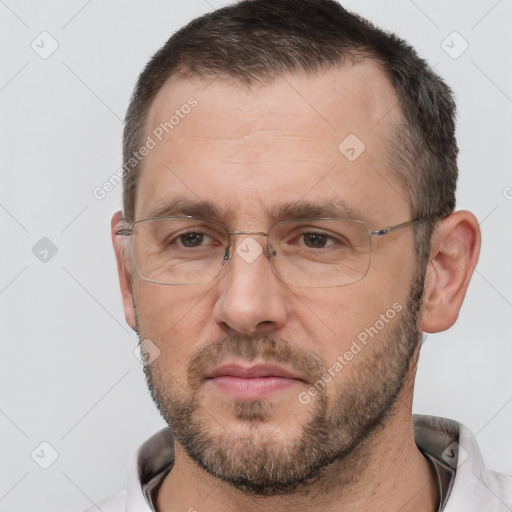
(288, 233)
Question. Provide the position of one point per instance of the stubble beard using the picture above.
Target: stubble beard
(258, 463)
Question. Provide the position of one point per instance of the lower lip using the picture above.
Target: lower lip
(255, 388)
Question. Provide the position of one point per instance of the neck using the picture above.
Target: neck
(386, 471)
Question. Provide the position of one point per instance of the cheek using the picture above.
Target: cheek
(333, 319)
(173, 319)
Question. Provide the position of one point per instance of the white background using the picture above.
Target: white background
(68, 375)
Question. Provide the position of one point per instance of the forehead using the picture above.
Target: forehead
(325, 136)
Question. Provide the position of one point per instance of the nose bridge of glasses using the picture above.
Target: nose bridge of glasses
(247, 233)
(259, 233)
(250, 249)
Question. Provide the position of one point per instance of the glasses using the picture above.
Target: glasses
(310, 253)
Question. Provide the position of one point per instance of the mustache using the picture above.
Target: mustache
(249, 347)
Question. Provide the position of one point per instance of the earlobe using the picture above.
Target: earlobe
(123, 269)
(454, 254)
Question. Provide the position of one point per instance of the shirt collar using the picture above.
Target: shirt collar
(148, 467)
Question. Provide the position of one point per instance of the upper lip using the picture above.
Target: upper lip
(251, 372)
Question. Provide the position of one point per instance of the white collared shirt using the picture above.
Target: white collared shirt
(467, 486)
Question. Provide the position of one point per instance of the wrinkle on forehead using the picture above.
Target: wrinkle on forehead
(292, 96)
(239, 144)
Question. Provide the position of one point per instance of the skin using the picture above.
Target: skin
(247, 150)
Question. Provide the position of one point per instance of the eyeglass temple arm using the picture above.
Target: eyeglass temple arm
(385, 231)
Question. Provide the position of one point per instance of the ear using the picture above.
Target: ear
(124, 269)
(454, 254)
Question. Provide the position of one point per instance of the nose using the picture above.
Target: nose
(251, 297)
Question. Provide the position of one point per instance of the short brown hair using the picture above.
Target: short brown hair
(257, 40)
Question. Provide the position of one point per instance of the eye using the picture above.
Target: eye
(193, 239)
(182, 236)
(317, 240)
(322, 240)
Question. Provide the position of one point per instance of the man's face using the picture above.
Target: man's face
(247, 374)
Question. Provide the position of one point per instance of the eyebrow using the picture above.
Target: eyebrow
(187, 207)
(301, 209)
(335, 208)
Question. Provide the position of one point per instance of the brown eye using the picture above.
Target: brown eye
(315, 240)
(191, 239)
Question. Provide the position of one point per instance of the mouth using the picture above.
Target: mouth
(252, 382)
